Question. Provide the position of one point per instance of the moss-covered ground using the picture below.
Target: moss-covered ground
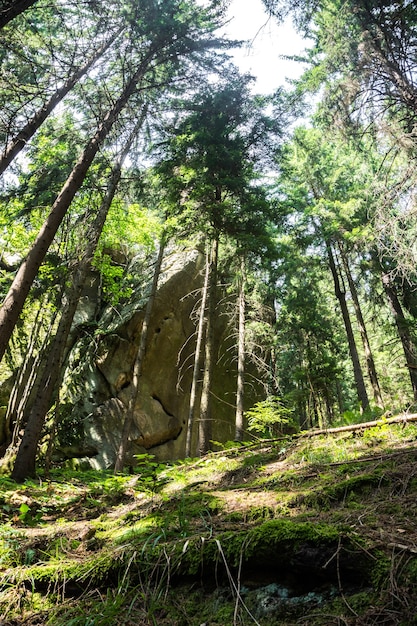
(306, 530)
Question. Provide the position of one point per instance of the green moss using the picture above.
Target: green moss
(180, 529)
(10, 547)
(281, 481)
(275, 532)
(139, 531)
(94, 569)
(272, 541)
(410, 572)
(256, 514)
(345, 491)
(59, 547)
(100, 609)
(381, 569)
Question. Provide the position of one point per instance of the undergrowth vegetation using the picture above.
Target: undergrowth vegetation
(299, 530)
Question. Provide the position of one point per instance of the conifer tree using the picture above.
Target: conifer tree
(162, 37)
(209, 171)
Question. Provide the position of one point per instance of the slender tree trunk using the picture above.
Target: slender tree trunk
(205, 423)
(302, 413)
(410, 351)
(240, 388)
(197, 359)
(24, 135)
(341, 296)
(25, 462)
(314, 404)
(339, 394)
(21, 401)
(15, 299)
(329, 409)
(22, 380)
(370, 363)
(303, 388)
(137, 368)
(23, 385)
(12, 8)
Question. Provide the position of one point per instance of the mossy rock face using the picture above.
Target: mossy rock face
(99, 377)
(277, 547)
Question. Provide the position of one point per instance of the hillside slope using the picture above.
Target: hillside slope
(308, 530)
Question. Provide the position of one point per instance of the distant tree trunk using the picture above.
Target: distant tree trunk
(373, 377)
(410, 351)
(197, 359)
(341, 296)
(240, 387)
(339, 394)
(137, 368)
(314, 403)
(24, 135)
(12, 8)
(205, 424)
(15, 299)
(329, 409)
(25, 463)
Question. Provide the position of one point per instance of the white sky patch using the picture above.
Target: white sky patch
(267, 41)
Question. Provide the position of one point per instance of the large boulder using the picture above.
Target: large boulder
(100, 369)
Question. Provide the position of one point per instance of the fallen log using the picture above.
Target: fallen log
(403, 418)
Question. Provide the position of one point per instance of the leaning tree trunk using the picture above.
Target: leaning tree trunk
(205, 422)
(197, 359)
(29, 129)
(341, 296)
(25, 462)
(370, 363)
(386, 54)
(24, 388)
(12, 9)
(137, 368)
(15, 299)
(240, 385)
(410, 351)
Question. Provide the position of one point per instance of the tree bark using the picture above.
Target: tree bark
(240, 383)
(410, 351)
(398, 419)
(370, 363)
(205, 423)
(25, 463)
(197, 359)
(15, 299)
(12, 9)
(384, 41)
(137, 368)
(22, 397)
(29, 129)
(341, 296)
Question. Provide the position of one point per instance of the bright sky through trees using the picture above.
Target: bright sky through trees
(267, 42)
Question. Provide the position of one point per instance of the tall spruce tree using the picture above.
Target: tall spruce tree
(208, 169)
(163, 36)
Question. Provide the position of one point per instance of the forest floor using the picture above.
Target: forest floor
(307, 530)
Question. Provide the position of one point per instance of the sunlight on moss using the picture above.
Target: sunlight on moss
(256, 506)
(139, 530)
